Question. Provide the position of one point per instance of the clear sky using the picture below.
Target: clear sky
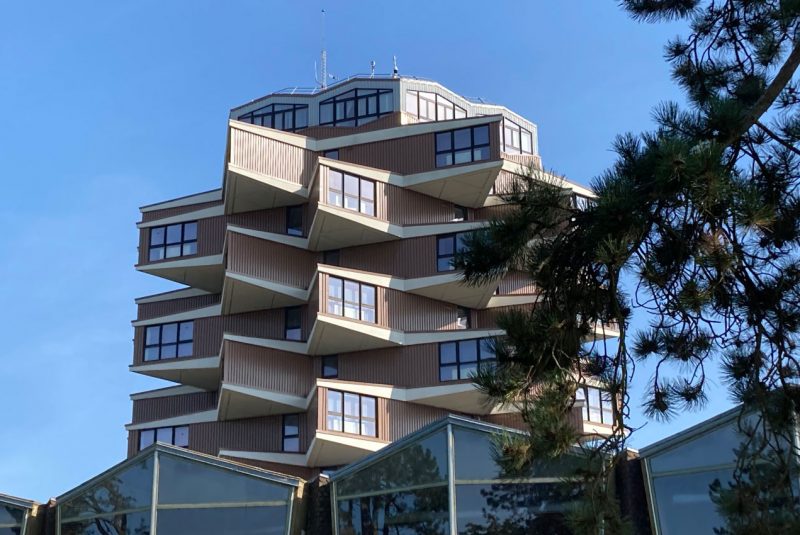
(106, 106)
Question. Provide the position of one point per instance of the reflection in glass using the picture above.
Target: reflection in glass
(137, 523)
(422, 511)
(131, 488)
(238, 520)
(684, 504)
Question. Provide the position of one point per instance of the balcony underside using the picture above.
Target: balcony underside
(203, 372)
(450, 288)
(468, 188)
(203, 272)
(247, 190)
(337, 228)
(242, 293)
(334, 334)
(461, 397)
(237, 401)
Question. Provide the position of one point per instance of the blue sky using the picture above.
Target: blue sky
(106, 106)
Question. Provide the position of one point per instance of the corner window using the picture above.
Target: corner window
(291, 432)
(330, 366)
(447, 247)
(172, 241)
(351, 192)
(462, 146)
(463, 318)
(177, 436)
(461, 360)
(289, 117)
(168, 341)
(356, 107)
(294, 220)
(598, 404)
(293, 325)
(432, 107)
(351, 413)
(351, 299)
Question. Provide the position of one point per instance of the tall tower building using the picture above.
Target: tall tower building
(321, 317)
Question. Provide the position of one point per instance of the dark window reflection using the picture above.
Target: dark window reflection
(238, 520)
(422, 511)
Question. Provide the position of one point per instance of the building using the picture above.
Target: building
(322, 319)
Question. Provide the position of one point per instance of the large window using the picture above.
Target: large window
(598, 405)
(462, 359)
(289, 117)
(447, 247)
(177, 436)
(351, 192)
(462, 146)
(351, 413)
(169, 341)
(432, 107)
(356, 107)
(351, 299)
(293, 323)
(516, 140)
(291, 432)
(172, 241)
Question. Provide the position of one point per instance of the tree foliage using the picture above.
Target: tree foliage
(702, 214)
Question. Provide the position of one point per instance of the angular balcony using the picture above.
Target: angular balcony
(202, 372)
(266, 168)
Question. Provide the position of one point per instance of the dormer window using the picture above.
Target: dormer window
(432, 107)
(516, 140)
(289, 117)
(356, 107)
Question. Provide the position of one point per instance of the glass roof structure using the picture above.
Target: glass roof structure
(14, 515)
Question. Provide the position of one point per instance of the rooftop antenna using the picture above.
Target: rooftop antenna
(372, 69)
(324, 57)
(395, 72)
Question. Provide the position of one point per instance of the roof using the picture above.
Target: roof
(696, 430)
(17, 502)
(177, 451)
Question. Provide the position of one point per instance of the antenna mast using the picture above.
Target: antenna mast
(324, 56)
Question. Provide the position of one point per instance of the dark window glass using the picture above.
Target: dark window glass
(461, 360)
(462, 318)
(330, 366)
(129, 488)
(249, 520)
(177, 436)
(446, 248)
(351, 299)
(332, 154)
(169, 340)
(352, 413)
(464, 145)
(173, 241)
(356, 107)
(459, 213)
(294, 220)
(331, 257)
(294, 316)
(288, 117)
(291, 432)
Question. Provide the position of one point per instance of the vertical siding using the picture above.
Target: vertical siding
(409, 258)
(414, 313)
(526, 160)
(517, 283)
(487, 318)
(147, 410)
(270, 261)
(175, 306)
(272, 158)
(405, 418)
(407, 207)
(498, 211)
(155, 215)
(513, 420)
(407, 366)
(210, 236)
(251, 434)
(269, 369)
(326, 132)
(271, 220)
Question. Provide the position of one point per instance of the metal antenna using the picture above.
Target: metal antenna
(395, 72)
(324, 56)
(372, 69)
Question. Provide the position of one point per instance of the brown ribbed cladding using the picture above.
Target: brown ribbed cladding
(487, 213)
(414, 313)
(271, 220)
(288, 469)
(487, 318)
(210, 237)
(270, 261)
(405, 418)
(155, 215)
(407, 207)
(252, 434)
(271, 157)
(512, 420)
(407, 366)
(175, 306)
(268, 369)
(525, 160)
(517, 283)
(504, 182)
(407, 155)
(326, 132)
(148, 410)
(409, 258)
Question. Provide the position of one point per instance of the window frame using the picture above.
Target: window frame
(354, 96)
(165, 244)
(299, 325)
(440, 256)
(587, 407)
(479, 361)
(342, 302)
(154, 431)
(257, 116)
(343, 195)
(458, 111)
(285, 436)
(472, 146)
(160, 344)
(294, 211)
(515, 127)
(466, 313)
(343, 415)
(325, 363)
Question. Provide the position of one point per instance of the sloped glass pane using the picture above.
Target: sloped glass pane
(125, 524)
(128, 489)
(188, 482)
(422, 511)
(11, 515)
(238, 520)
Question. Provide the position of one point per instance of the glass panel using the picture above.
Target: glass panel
(291, 444)
(368, 428)
(349, 109)
(351, 185)
(174, 250)
(169, 333)
(189, 231)
(129, 488)
(182, 436)
(422, 463)
(362, 106)
(294, 334)
(461, 241)
(368, 208)
(238, 520)
(146, 438)
(189, 249)
(462, 138)
(481, 135)
(169, 351)
(184, 481)
(326, 113)
(447, 353)
(423, 511)
(530, 508)
(367, 295)
(411, 103)
(334, 401)
(527, 142)
(443, 160)
(464, 156)
(174, 233)
(468, 370)
(164, 434)
(335, 180)
(694, 452)
(448, 373)
(278, 118)
(368, 407)
(594, 404)
(443, 141)
(460, 113)
(444, 264)
(157, 236)
(608, 408)
(11, 515)
(334, 423)
(126, 524)
(368, 314)
(301, 118)
(446, 245)
(351, 290)
(683, 502)
(330, 366)
(151, 353)
(156, 254)
(487, 349)
(151, 335)
(351, 202)
(291, 424)
(387, 102)
(335, 287)
(186, 329)
(480, 154)
(367, 190)
(468, 351)
(332, 154)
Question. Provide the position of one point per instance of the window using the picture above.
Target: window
(446, 248)
(288, 117)
(351, 192)
(293, 328)
(462, 146)
(294, 220)
(581, 202)
(291, 432)
(462, 318)
(330, 366)
(432, 107)
(331, 257)
(461, 360)
(177, 436)
(598, 405)
(168, 341)
(356, 107)
(351, 299)
(516, 140)
(459, 213)
(172, 241)
(332, 154)
(351, 413)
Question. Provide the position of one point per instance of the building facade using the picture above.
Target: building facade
(321, 317)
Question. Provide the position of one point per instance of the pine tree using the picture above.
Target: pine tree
(702, 217)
